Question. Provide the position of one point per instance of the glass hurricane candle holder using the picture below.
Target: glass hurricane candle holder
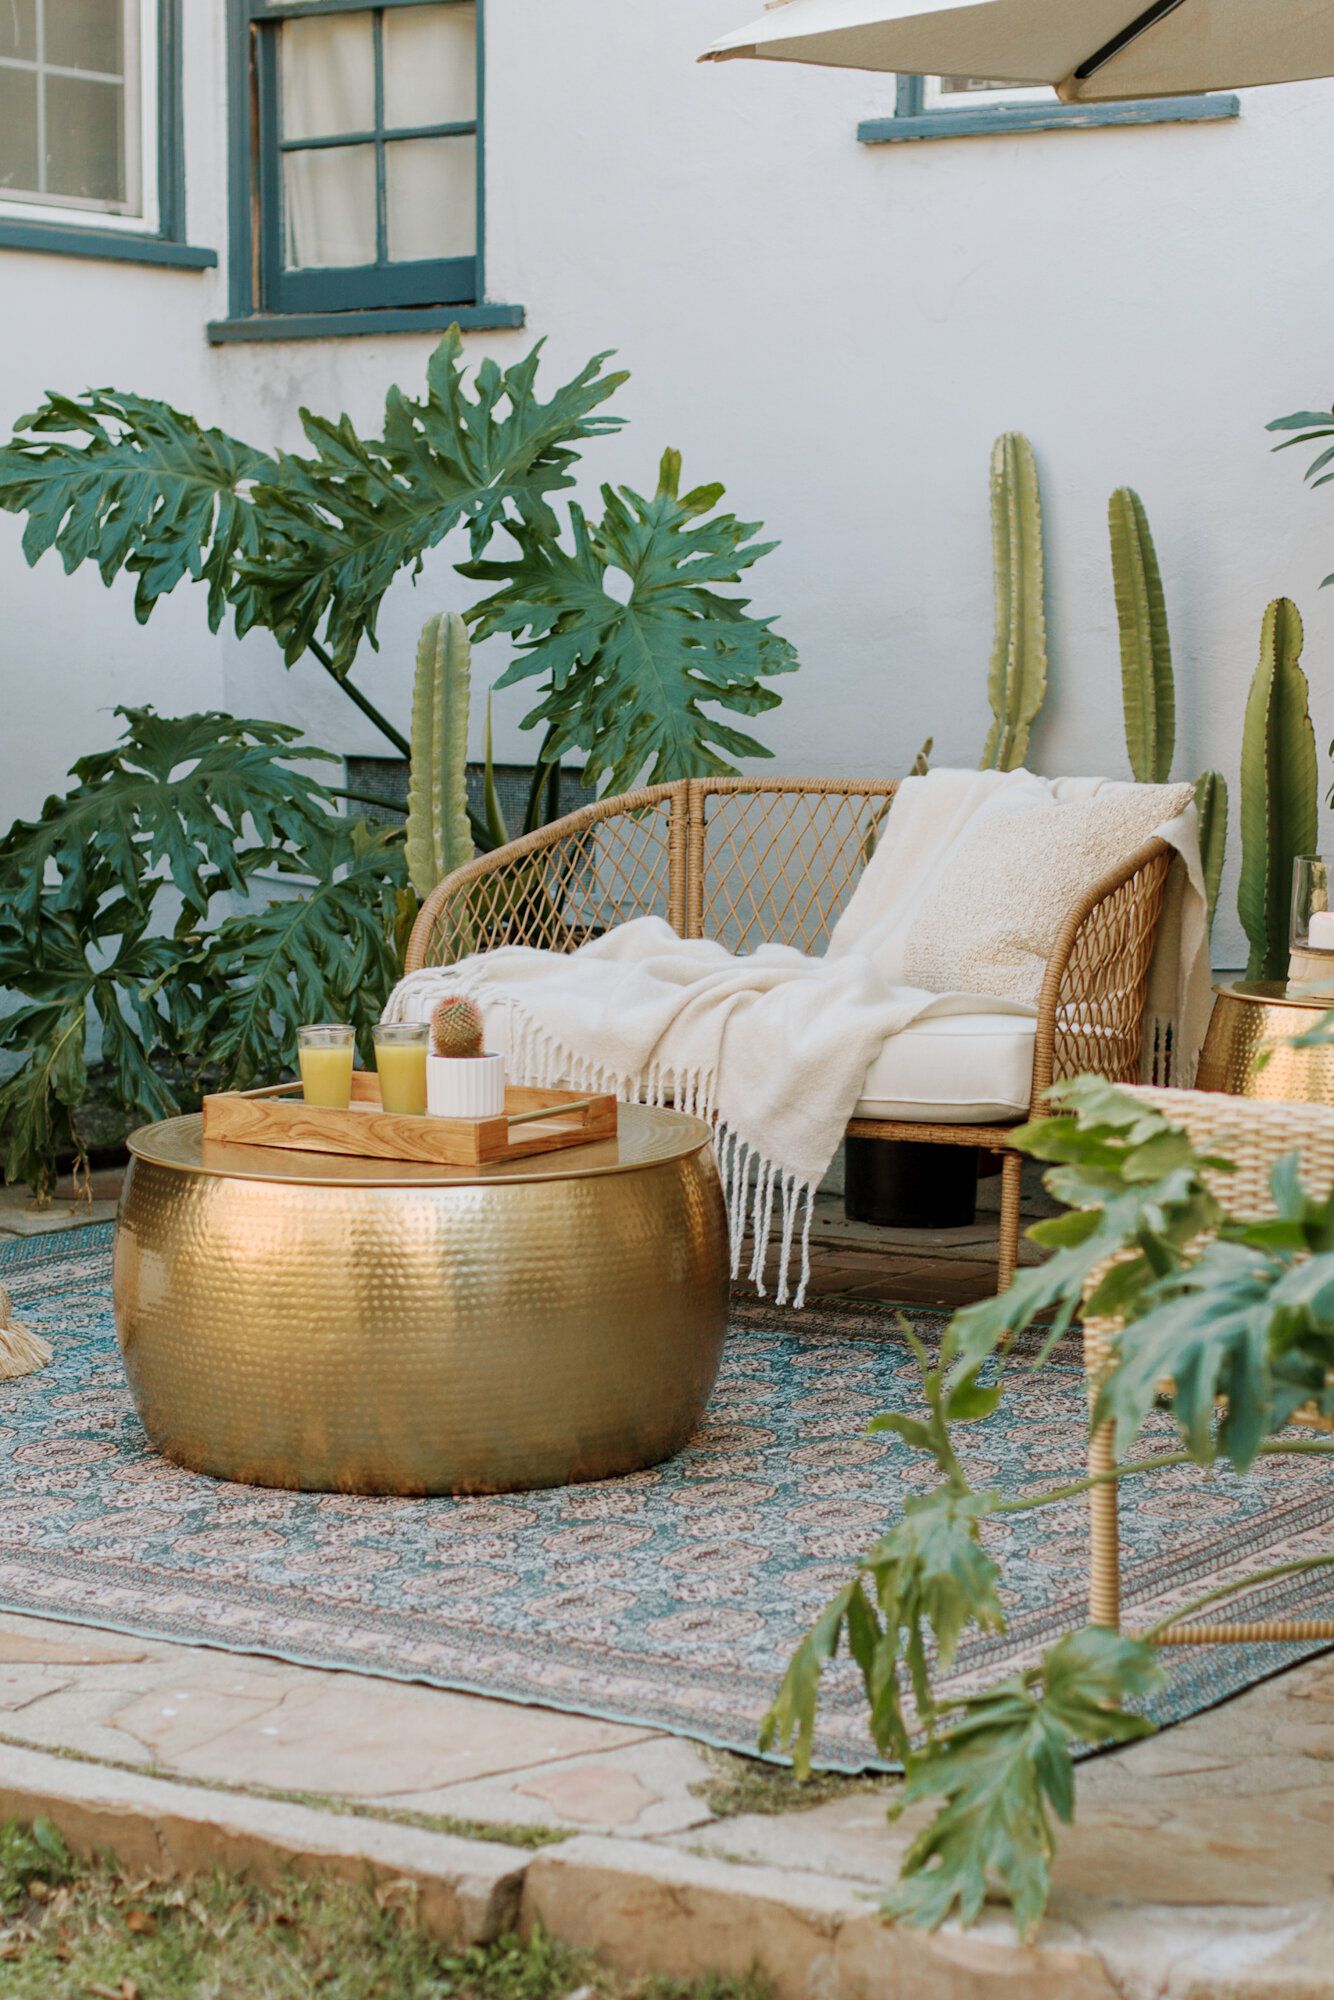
(325, 1051)
(400, 1060)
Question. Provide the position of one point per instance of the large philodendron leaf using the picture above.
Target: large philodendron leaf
(325, 955)
(346, 520)
(129, 483)
(203, 797)
(104, 911)
(39, 1098)
(90, 963)
(1127, 1178)
(1004, 1767)
(630, 671)
(915, 1593)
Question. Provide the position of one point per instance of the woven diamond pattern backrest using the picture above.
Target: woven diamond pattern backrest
(564, 884)
(1100, 1009)
(775, 861)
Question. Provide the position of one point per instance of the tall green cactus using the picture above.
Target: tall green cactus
(1018, 678)
(1279, 790)
(439, 834)
(1147, 687)
(1211, 805)
(1146, 646)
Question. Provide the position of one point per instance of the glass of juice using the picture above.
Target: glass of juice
(400, 1059)
(325, 1050)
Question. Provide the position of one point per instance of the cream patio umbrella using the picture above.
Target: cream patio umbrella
(1091, 50)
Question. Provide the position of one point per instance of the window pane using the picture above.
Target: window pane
(84, 34)
(431, 197)
(981, 86)
(18, 28)
(18, 129)
(85, 157)
(962, 84)
(330, 198)
(328, 76)
(430, 65)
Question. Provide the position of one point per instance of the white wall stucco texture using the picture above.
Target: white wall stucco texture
(836, 331)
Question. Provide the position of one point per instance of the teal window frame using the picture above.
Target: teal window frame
(913, 119)
(165, 244)
(267, 301)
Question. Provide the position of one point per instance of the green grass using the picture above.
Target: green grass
(87, 1931)
(739, 1785)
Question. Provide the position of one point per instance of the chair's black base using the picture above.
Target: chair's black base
(898, 1184)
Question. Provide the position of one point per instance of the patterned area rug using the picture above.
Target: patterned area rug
(672, 1598)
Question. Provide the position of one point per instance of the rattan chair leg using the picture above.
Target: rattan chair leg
(1012, 1172)
(1104, 1535)
(1250, 1632)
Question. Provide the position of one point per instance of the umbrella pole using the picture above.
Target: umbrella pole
(1139, 26)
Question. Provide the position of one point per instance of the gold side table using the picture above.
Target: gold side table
(374, 1326)
(1253, 1019)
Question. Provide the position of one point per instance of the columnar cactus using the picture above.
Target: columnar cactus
(1146, 647)
(1018, 678)
(1211, 805)
(456, 1027)
(439, 834)
(1279, 790)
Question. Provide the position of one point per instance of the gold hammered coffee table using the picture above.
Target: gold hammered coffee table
(375, 1326)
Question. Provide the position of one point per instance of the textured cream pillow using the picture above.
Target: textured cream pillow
(990, 919)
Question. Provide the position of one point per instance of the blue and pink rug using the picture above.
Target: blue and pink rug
(673, 1598)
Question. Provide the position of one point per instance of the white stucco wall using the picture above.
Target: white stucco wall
(837, 332)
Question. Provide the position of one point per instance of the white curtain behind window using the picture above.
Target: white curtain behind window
(327, 67)
(327, 70)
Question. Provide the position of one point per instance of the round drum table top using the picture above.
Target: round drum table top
(646, 1137)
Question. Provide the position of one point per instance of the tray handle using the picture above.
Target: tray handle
(551, 1111)
(264, 1090)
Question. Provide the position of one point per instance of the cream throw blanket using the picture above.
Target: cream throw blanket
(972, 877)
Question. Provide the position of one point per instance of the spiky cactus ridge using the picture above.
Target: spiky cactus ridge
(456, 1027)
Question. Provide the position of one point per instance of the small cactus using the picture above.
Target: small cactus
(456, 1027)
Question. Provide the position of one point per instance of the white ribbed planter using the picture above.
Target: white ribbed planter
(465, 1086)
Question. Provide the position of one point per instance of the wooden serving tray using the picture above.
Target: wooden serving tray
(535, 1121)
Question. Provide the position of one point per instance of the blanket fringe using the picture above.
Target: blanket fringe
(1161, 1063)
(752, 1186)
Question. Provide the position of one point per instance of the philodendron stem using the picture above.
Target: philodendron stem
(363, 702)
(1051, 1494)
(1225, 1590)
(370, 799)
(1290, 1447)
(545, 778)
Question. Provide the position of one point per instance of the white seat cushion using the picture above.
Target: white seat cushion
(947, 1069)
(953, 1069)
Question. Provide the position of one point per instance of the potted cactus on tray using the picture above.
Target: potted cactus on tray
(462, 1080)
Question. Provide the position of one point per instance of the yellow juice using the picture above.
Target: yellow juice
(326, 1077)
(402, 1072)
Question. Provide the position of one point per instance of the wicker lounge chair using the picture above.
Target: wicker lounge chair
(1254, 1133)
(752, 860)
